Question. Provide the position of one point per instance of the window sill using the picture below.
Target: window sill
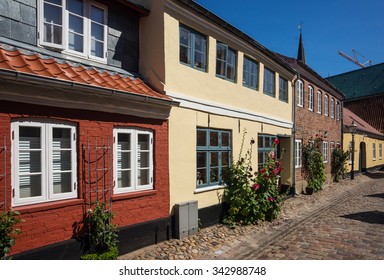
(210, 188)
(132, 195)
(33, 208)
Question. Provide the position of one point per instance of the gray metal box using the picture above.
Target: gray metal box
(186, 216)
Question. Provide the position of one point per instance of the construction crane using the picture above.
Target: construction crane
(354, 58)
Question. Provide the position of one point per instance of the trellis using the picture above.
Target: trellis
(3, 172)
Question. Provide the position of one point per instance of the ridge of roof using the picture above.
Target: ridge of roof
(35, 64)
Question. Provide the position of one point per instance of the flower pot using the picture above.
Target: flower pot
(309, 190)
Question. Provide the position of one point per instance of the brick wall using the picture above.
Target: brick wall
(310, 123)
(52, 222)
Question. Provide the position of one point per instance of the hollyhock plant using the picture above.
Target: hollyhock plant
(253, 197)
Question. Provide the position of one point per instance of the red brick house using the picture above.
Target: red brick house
(78, 125)
(318, 112)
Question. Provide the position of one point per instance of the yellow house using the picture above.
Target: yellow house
(226, 83)
(368, 143)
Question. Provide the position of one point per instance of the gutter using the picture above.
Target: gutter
(40, 80)
(294, 132)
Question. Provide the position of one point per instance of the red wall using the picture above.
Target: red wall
(53, 222)
(310, 123)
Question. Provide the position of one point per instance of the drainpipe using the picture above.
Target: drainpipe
(294, 133)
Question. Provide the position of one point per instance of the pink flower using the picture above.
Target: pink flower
(271, 199)
(255, 186)
(262, 170)
(276, 141)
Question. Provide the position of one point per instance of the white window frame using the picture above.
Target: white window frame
(298, 153)
(332, 108)
(319, 101)
(65, 28)
(310, 98)
(46, 159)
(134, 133)
(325, 151)
(326, 105)
(337, 110)
(374, 151)
(380, 151)
(300, 93)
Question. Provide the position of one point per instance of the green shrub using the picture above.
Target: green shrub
(9, 220)
(112, 254)
(102, 237)
(339, 159)
(313, 164)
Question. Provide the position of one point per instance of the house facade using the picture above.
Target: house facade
(368, 144)
(226, 83)
(79, 126)
(318, 114)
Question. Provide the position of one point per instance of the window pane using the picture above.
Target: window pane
(220, 68)
(124, 160)
(200, 60)
(97, 31)
(224, 139)
(123, 179)
(52, 34)
(52, 14)
(75, 6)
(221, 52)
(201, 176)
(124, 141)
(62, 183)
(201, 159)
(201, 138)
(214, 175)
(61, 138)
(185, 55)
(214, 139)
(143, 177)
(29, 161)
(143, 142)
(143, 159)
(29, 137)
(184, 37)
(214, 158)
(61, 160)
(97, 14)
(76, 24)
(58, 2)
(75, 42)
(30, 186)
(97, 48)
(225, 159)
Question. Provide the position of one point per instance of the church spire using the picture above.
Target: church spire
(300, 51)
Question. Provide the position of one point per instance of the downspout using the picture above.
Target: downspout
(294, 134)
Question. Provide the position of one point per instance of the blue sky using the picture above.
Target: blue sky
(328, 26)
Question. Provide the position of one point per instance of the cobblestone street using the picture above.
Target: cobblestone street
(343, 221)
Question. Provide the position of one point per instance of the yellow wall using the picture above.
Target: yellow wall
(216, 103)
(182, 142)
(370, 162)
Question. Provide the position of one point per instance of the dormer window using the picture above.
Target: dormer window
(77, 27)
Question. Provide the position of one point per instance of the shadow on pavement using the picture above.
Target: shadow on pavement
(371, 217)
(375, 175)
(378, 195)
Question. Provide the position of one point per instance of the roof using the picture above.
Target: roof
(361, 83)
(34, 64)
(363, 126)
(312, 76)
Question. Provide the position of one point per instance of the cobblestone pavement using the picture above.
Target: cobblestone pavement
(343, 221)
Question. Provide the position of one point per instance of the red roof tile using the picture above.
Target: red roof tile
(349, 116)
(34, 64)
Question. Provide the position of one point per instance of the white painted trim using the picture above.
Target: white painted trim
(224, 110)
(210, 188)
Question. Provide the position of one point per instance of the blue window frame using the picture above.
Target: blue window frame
(193, 48)
(225, 62)
(264, 144)
(269, 82)
(250, 73)
(283, 89)
(214, 154)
